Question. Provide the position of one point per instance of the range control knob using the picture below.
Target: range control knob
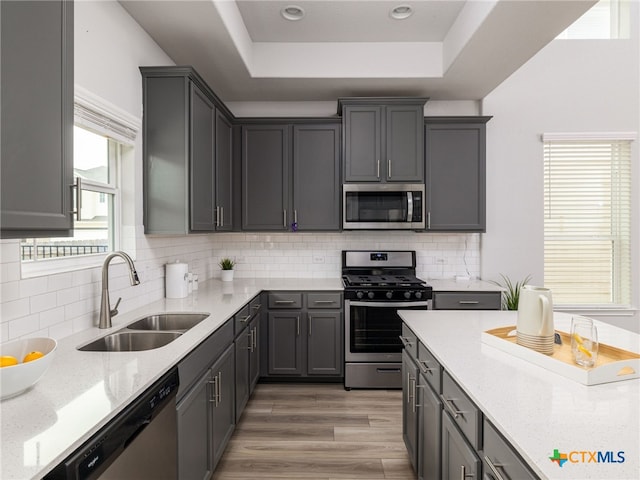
(389, 294)
(407, 295)
(359, 294)
(418, 295)
(371, 295)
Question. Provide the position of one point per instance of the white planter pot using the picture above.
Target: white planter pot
(226, 275)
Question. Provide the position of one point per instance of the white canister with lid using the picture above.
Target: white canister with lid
(176, 280)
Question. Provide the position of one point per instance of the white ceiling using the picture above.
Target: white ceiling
(447, 50)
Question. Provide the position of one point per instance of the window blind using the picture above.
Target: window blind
(587, 221)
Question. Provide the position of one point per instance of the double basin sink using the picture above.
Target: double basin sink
(147, 333)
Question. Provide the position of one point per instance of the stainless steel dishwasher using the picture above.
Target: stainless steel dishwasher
(139, 443)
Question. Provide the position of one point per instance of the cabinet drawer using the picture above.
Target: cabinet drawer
(285, 300)
(500, 460)
(410, 341)
(463, 411)
(430, 368)
(255, 305)
(467, 301)
(241, 319)
(324, 300)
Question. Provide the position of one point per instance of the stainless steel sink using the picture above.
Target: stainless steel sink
(124, 341)
(168, 322)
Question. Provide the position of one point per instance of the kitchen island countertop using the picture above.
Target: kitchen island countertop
(535, 409)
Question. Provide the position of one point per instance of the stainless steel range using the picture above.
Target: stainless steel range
(376, 285)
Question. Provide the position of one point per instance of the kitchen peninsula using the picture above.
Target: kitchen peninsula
(537, 411)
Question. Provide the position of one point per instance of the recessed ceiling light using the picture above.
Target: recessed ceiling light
(292, 12)
(401, 12)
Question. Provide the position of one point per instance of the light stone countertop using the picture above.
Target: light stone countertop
(535, 409)
(451, 285)
(83, 391)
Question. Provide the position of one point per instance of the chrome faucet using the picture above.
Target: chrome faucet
(105, 309)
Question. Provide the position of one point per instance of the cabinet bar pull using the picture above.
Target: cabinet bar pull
(298, 325)
(464, 474)
(424, 366)
(448, 403)
(295, 216)
(218, 385)
(284, 302)
(405, 341)
(250, 335)
(324, 301)
(494, 468)
(428, 220)
(284, 218)
(378, 168)
(389, 168)
(468, 302)
(214, 398)
(257, 307)
(309, 325)
(221, 217)
(413, 396)
(78, 187)
(243, 320)
(217, 220)
(254, 339)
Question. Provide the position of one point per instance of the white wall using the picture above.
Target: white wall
(570, 86)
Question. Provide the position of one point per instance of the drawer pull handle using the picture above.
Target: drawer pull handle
(388, 370)
(494, 468)
(324, 301)
(285, 302)
(448, 403)
(243, 320)
(257, 307)
(405, 341)
(468, 302)
(424, 366)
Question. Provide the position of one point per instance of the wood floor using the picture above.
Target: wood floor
(318, 432)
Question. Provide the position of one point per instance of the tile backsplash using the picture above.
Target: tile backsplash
(59, 304)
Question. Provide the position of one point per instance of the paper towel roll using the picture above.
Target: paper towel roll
(176, 281)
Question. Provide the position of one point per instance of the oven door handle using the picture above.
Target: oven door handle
(389, 304)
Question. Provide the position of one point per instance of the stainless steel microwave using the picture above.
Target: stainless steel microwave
(383, 206)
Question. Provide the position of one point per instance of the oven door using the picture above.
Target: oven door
(373, 330)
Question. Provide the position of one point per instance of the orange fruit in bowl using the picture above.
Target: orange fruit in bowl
(29, 357)
(8, 361)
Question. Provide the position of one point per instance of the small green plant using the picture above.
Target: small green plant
(511, 296)
(226, 264)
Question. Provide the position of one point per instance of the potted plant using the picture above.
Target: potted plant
(226, 264)
(511, 293)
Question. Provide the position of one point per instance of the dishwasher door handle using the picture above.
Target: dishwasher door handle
(142, 424)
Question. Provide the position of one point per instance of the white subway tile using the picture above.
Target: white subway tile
(14, 309)
(9, 291)
(45, 301)
(33, 286)
(23, 326)
(52, 317)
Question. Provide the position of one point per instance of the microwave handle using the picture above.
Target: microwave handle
(409, 206)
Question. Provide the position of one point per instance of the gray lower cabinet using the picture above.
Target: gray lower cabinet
(37, 119)
(383, 139)
(466, 300)
(429, 430)
(455, 173)
(459, 459)
(291, 177)
(305, 334)
(247, 353)
(206, 404)
(285, 343)
(500, 461)
(409, 408)
(187, 157)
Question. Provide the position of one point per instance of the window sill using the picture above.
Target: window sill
(598, 310)
(43, 268)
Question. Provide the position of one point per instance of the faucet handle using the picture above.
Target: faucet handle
(114, 311)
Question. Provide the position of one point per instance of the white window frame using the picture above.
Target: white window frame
(605, 137)
(100, 116)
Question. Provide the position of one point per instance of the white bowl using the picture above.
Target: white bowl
(17, 378)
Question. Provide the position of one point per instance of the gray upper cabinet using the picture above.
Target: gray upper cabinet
(37, 119)
(265, 177)
(383, 139)
(187, 154)
(316, 177)
(455, 154)
(291, 177)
